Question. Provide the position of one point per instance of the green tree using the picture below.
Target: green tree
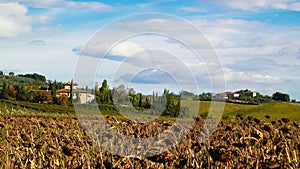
(4, 93)
(35, 76)
(171, 108)
(205, 96)
(105, 93)
(53, 89)
(140, 100)
(147, 103)
(187, 95)
(97, 92)
(153, 97)
(52, 86)
(37, 84)
(114, 95)
(11, 73)
(131, 94)
(22, 94)
(30, 94)
(71, 92)
(1, 73)
(278, 96)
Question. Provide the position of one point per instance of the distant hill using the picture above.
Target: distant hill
(26, 81)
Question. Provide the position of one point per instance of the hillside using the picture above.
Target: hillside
(26, 81)
(276, 111)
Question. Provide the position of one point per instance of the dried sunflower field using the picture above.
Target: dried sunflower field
(52, 142)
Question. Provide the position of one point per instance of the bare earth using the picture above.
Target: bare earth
(36, 142)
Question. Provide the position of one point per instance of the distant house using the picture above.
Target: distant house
(226, 95)
(67, 89)
(250, 94)
(233, 95)
(68, 85)
(85, 96)
(221, 96)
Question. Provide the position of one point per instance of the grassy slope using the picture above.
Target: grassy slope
(275, 109)
(18, 108)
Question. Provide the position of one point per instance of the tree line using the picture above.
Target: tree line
(243, 97)
(17, 89)
(168, 102)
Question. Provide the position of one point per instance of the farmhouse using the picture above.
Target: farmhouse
(67, 89)
(85, 96)
(250, 94)
(226, 95)
(232, 95)
(221, 96)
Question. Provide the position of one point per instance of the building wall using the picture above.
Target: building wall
(236, 95)
(86, 98)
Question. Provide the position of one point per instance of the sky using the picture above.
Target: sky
(256, 43)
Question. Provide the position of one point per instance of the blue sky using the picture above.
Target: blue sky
(258, 42)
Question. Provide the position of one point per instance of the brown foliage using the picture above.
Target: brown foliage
(63, 100)
(36, 142)
(41, 96)
(11, 92)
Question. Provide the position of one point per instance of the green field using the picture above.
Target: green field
(19, 108)
(276, 110)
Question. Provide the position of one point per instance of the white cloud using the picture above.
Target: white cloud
(269, 51)
(42, 4)
(192, 9)
(43, 19)
(88, 5)
(258, 54)
(44, 54)
(262, 83)
(295, 6)
(233, 77)
(240, 40)
(13, 19)
(93, 5)
(50, 30)
(253, 5)
(126, 48)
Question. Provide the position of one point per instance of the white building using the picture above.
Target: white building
(85, 96)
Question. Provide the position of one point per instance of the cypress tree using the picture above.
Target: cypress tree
(54, 89)
(141, 101)
(71, 92)
(153, 97)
